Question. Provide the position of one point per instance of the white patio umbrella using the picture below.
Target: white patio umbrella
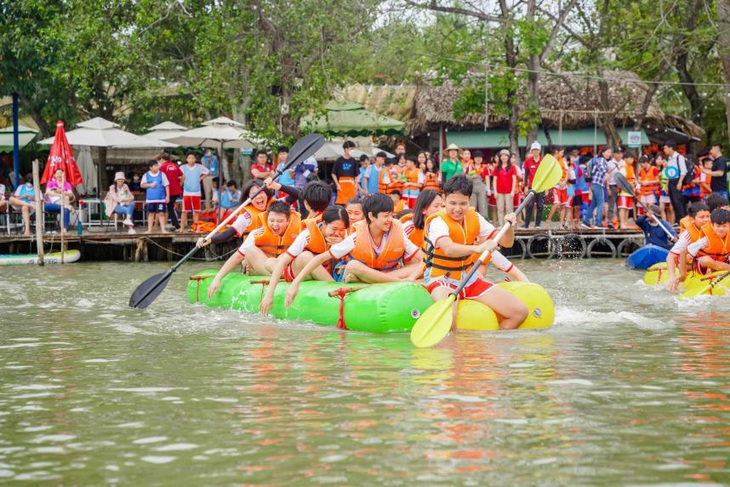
(165, 130)
(99, 132)
(221, 132)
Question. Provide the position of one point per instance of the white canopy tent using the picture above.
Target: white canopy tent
(25, 136)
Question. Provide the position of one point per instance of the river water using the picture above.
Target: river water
(630, 386)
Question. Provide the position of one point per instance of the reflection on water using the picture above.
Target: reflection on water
(630, 386)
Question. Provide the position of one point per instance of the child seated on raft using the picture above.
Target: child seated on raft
(452, 235)
(315, 197)
(315, 239)
(354, 210)
(376, 251)
(712, 250)
(697, 216)
(279, 227)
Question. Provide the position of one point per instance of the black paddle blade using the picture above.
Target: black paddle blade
(624, 184)
(304, 148)
(148, 291)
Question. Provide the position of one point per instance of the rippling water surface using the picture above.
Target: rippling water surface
(629, 387)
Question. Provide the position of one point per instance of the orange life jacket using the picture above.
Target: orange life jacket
(255, 217)
(384, 187)
(274, 245)
(717, 248)
(630, 177)
(687, 224)
(646, 188)
(416, 235)
(396, 180)
(412, 178)
(399, 206)
(464, 233)
(394, 249)
(315, 219)
(432, 182)
(317, 244)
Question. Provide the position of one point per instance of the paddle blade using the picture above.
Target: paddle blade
(434, 324)
(711, 288)
(548, 174)
(148, 291)
(624, 184)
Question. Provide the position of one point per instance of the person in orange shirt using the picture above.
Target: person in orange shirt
(432, 176)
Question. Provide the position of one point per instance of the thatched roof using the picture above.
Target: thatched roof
(575, 100)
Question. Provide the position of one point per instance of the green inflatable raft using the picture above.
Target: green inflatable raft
(376, 308)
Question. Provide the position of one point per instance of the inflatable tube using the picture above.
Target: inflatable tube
(570, 246)
(696, 280)
(627, 247)
(69, 257)
(473, 315)
(534, 247)
(647, 256)
(376, 308)
(656, 274)
(598, 253)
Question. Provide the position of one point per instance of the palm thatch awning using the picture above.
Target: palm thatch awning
(565, 101)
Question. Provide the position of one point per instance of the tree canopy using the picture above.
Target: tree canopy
(267, 63)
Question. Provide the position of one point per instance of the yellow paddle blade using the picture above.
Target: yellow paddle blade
(434, 324)
(548, 174)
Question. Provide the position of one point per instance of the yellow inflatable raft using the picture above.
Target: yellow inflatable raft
(473, 315)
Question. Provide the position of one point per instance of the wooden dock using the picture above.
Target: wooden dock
(140, 247)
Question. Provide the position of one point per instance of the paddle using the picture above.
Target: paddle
(435, 323)
(626, 187)
(692, 293)
(148, 291)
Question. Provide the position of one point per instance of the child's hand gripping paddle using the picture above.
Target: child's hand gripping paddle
(148, 291)
(706, 289)
(625, 186)
(435, 323)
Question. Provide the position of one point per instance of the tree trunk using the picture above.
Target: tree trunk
(696, 104)
(533, 89)
(723, 44)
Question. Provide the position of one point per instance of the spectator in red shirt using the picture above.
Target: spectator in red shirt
(261, 169)
(504, 180)
(174, 177)
(530, 167)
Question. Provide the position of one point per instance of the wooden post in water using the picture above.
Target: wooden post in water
(63, 207)
(38, 212)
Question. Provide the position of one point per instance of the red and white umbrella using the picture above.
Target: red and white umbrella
(62, 157)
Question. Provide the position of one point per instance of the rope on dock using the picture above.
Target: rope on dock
(176, 254)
